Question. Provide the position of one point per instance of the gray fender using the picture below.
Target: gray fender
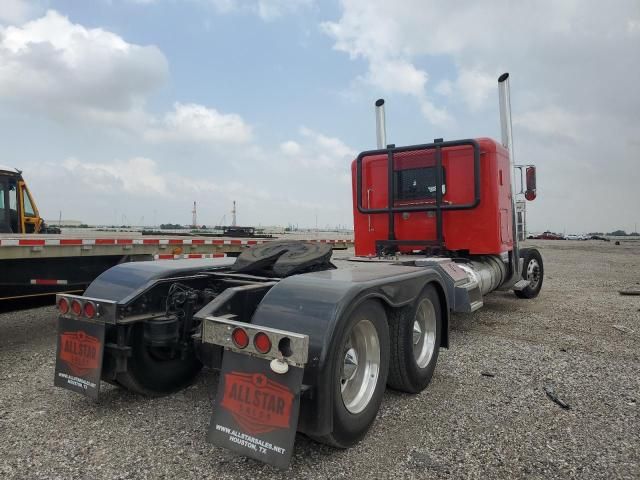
(318, 304)
(123, 282)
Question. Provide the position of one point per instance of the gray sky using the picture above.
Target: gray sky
(138, 108)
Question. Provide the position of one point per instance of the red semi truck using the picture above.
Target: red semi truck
(302, 345)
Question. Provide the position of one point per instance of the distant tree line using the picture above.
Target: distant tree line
(617, 233)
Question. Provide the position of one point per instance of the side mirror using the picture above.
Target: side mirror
(530, 192)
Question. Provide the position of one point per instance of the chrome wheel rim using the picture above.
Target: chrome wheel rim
(424, 333)
(533, 273)
(360, 366)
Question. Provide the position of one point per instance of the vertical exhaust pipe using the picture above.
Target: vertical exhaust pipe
(504, 94)
(381, 127)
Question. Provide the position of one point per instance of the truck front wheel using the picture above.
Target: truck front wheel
(415, 342)
(359, 369)
(532, 270)
(155, 371)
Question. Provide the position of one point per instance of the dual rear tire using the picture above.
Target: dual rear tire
(359, 367)
(415, 341)
(399, 350)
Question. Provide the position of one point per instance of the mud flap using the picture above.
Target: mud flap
(256, 410)
(79, 356)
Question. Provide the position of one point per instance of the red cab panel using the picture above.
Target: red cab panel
(485, 229)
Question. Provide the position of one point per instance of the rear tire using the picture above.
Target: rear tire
(152, 374)
(415, 343)
(532, 270)
(359, 367)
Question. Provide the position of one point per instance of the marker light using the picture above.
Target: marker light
(63, 305)
(240, 338)
(90, 310)
(76, 308)
(262, 343)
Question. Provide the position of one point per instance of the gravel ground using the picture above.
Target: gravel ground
(579, 336)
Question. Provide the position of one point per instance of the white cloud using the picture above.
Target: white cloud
(554, 121)
(267, 10)
(365, 32)
(272, 9)
(435, 115)
(552, 36)
(322, 151)
(290, 148)
(476, 87)
(444, 87)
(17, 11)
(61, 68)
(574, 82)
(401, 76)
(136, 176)
(197, 123)
(397, 76)
(290, 182)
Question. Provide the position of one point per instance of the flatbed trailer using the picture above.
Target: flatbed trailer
(303, 344)
(32, 265)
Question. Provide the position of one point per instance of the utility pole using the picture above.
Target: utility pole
(233, 214)
(194, 216)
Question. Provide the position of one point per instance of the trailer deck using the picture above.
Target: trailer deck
(33, 265)
(159, 248)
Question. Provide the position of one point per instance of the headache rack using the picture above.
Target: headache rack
(390, 244)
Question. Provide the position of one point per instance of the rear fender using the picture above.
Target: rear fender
(318, 304)
(124, 282)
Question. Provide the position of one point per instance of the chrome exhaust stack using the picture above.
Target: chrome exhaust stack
(504, 94)
(506, 128)
(381, 128)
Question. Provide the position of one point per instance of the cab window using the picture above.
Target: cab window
(28, 207)
(5, 215)
(417, 183)
(13, 204)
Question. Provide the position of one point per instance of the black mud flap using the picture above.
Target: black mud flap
(79, 356)
(256, 410)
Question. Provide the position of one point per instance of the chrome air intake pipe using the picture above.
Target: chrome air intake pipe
(381, 128)
(504, 94)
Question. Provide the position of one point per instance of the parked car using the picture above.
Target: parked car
(550, 236)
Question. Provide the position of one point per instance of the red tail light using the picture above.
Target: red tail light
(261, 342)
(76, 307)
(240, 338)
(90, 310)
(63, 306)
